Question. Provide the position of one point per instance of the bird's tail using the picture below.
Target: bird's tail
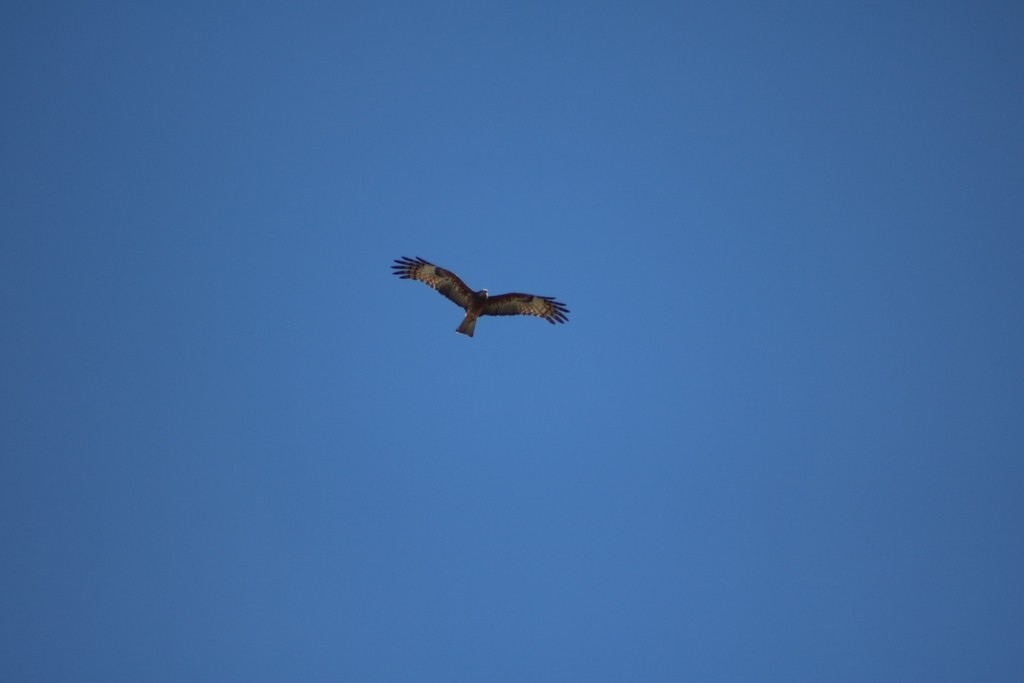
(467, 326)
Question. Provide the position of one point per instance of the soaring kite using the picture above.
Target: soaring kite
(478, 303)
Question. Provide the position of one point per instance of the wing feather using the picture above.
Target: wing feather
(526, 304)
(444, 281)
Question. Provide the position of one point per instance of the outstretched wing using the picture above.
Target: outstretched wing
(444, 281)
(526, 304)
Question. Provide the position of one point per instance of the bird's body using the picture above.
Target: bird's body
(474, 311)
(477, 303)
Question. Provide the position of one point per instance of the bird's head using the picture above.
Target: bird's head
(483, 293)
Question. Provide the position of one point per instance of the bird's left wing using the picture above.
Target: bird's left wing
(526, 304)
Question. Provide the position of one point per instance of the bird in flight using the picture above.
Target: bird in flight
(478, 303)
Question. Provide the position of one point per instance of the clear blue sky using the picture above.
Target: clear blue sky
(781, 438)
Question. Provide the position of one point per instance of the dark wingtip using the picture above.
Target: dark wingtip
(403, 266)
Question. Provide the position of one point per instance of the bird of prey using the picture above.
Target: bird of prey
(478, 303)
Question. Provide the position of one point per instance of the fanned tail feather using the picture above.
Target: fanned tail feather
(467, 326)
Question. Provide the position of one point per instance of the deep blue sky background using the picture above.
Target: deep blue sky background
(782, 437)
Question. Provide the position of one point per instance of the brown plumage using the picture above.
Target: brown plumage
(478, 303)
